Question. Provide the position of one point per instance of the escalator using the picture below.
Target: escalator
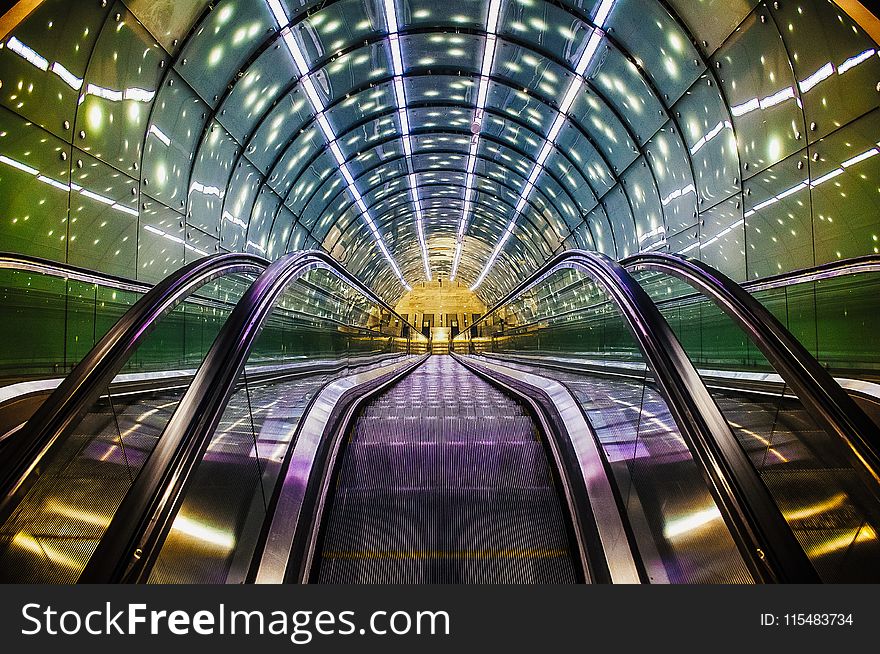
(369, 464)
(78, 467)
(445, 479)
(813, 449)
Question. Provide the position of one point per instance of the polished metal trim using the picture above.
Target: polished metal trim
(617, 549)
(63, 409)
(25, 263)
(824, 399)
(143, 519)
(768, 546)
(289, 521)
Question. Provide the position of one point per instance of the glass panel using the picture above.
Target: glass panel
(169, 22)
(352, 69)
(253, 94)
(45, 88)
(827, 499)
(103, 218)
(318, 330)
(778, 223)
(835, 62)
(605, 129)
(241, 193)
(621, 220)
(713, 20)
(210, 175)
(722, 239)
(160, 243)
(844, 191)
(335, 28)
(671, 167)
(845, 316)
(759, 85)
(297, 164)
(602, 232)
(445, 49)
(64, 506)
(265, 208)
(566, 319)
(422, 13)
(175, 127)
(625, 88)
(33, 176)
(711, 142)
(224, 41)
(199, 244)
(32, 329)
(118, 92)
(659, 43)
(583, 151)
(281, 229)
(642, 192)
(274, 133)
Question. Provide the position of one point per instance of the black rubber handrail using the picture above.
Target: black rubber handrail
(830, 405)
(129, 544)
(79, 391)
(861, 265)
(767, 543)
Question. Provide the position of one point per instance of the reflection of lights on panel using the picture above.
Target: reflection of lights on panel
(77, 514)
(575, 86)
(205, 533)
(844, 541)
(17, 164)
(815, 509)
(823, 73)
(28, 54)
(854, 61)
(174, 239)
(69, 78)
(318, 108)
(159, 134)
(711, 134)
(44, 549)
(692, 522)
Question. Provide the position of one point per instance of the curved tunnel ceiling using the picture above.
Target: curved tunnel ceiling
(473, 139)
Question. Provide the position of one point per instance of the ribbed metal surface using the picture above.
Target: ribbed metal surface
(676, 523)
(213, 536)
(833, 514)
(443, 479)
(56, 527)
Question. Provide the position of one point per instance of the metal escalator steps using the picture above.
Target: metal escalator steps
(443, 429)
(456, 465)
(443, 480)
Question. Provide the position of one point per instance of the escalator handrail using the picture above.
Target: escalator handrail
(30, 264)
(762, 534)
(93, 374)
(144, 517)
(869, 263)
(821, 395)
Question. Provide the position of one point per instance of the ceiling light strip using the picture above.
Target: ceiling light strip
(571, 94)
(403, 117)
(311, 92)
(477, 124)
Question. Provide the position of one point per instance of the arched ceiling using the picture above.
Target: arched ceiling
(413, 139)
(463, 136)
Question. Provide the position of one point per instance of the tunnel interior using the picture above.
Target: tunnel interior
(222, 223)
(410, 141)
